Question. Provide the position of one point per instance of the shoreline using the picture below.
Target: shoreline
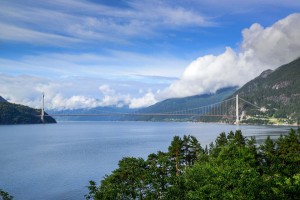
(292, 125)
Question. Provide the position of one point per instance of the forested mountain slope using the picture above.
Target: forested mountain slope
(19, 114)
(278, 91)
(177, 104)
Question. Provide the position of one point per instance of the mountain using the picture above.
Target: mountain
(19, 114)
(177, 104)
(93, 111)
(2, 99)
(276, 92)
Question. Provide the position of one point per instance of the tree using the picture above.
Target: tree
(191, 149)
(126, 182)
(239, 139)
(158, 175)
(175, 151)
(232, 174)
(220, 142)
(268, 153)
(92, 190)
(5, 195)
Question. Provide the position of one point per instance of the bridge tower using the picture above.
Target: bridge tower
(237, 109)
(43, 108)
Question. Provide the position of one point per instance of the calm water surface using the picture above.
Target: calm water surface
(56, 161)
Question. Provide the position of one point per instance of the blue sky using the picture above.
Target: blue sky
(85, 53)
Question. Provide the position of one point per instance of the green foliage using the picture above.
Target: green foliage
(18, 114)
(176, 153)
(92, 190)
(126, 182)
(5, 196)
(233, 168)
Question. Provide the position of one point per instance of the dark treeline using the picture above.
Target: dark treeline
(232, 167)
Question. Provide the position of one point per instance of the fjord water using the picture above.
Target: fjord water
(56, 161)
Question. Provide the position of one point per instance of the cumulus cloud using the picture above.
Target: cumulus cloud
(147, 100)
(112, 98)
(261, 49)
(69, 93)
(275, 45)
(27, 90)
(74, 102)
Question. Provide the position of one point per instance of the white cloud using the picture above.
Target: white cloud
(163, 13)
(10, 32)
(261, 49)
(59, 22)
(275, 45)
(112, 98)
(108, 64)
(72, 93)
(27, 90)
(74, 102)
(147, 100)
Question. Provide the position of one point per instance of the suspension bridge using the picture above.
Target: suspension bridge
(228, 108)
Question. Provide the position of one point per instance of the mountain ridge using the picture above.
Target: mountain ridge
(277, 92)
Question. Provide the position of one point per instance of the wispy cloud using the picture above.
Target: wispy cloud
(85, 21)
(9, 32)
(108, 64)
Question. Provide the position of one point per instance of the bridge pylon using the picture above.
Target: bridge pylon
(43, 108)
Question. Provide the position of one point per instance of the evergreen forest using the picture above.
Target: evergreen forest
(231, 167)
(11, 113)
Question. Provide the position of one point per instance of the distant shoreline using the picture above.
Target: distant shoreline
(292, 125)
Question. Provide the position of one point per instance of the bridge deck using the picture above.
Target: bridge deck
(138, 114)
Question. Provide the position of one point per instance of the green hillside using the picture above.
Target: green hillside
(277, 91)
(18, 114)
(177, 104)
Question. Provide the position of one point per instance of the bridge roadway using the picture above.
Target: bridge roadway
(138, 114)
